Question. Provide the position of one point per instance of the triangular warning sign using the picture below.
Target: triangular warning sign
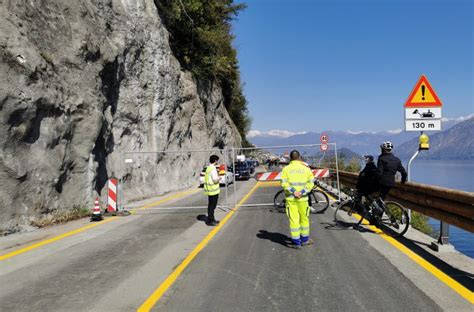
(423, 95)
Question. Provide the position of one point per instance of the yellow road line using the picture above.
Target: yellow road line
(158, 293)
(269, 184)
(178, 195)
(453, 284)
(82, 229)
(54, 239)
(329, 195)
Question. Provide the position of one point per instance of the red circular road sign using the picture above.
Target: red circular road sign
(324, 147)
(324, 138)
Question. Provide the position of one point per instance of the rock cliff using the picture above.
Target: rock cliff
(83, 81)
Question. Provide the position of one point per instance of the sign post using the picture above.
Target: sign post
(423, 113)
(324, 138)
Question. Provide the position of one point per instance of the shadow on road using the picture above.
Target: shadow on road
(202, 218)
(341, 225)
(277, 238)
(464, 278)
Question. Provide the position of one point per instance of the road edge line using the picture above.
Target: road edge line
(53, 239)
(79, 230)
(151, 301)
(440, 275)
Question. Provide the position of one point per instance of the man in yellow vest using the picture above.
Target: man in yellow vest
(211, 189)
(297, 181)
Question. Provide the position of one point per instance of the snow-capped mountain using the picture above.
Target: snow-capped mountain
(360, 142)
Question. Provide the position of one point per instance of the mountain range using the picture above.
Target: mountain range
(454, 142)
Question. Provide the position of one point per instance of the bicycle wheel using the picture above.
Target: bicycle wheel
(319, 201)
(279, 201)
(394, 221)
(345, 212)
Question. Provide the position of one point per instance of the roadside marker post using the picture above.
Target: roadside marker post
(112, 195)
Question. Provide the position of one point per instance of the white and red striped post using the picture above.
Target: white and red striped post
(112, 195)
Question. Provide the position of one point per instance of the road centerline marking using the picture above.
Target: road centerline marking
(82, 229)
(151, 301)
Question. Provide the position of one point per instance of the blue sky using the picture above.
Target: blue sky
(311, 65)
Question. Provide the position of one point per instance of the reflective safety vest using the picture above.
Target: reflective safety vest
(210, 188)
(297, 177)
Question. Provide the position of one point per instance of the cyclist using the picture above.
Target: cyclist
(367, 181)
(387, 167)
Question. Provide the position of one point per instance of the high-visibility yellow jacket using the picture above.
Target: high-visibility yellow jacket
(297, 177)
(210, 188)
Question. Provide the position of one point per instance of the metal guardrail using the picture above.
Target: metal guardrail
(447, 205)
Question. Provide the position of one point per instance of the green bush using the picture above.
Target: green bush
(420, 222)
(353, 166)
(201, 39)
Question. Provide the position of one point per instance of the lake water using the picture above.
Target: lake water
(455, 174)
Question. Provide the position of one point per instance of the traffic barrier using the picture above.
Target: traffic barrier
(321, 173)
(96, 213)
(276, 176)
(112, 195)
(268, 176)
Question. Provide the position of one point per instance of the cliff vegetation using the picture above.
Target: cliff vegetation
(201, 38)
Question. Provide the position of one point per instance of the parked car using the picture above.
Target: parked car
(243, 170)
(226, 176)
(255, 163)
(252, 166)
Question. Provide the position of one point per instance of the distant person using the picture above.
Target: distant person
(297, 181)
(367, 181)
(387, 167)
(212, 189)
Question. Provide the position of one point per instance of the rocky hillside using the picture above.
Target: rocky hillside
(454, 143)
(83, 81)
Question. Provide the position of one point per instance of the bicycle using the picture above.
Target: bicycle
(318, 200)
(393, 220)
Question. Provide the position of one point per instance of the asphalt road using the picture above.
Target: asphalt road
(247, 267)
(116, 266)
(112, 267)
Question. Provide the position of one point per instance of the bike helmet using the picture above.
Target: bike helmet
(387, 146)
(369, 158)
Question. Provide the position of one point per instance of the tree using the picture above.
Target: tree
(201, 39)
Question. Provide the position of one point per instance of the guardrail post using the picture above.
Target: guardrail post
(443, 245)
(444, 234)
